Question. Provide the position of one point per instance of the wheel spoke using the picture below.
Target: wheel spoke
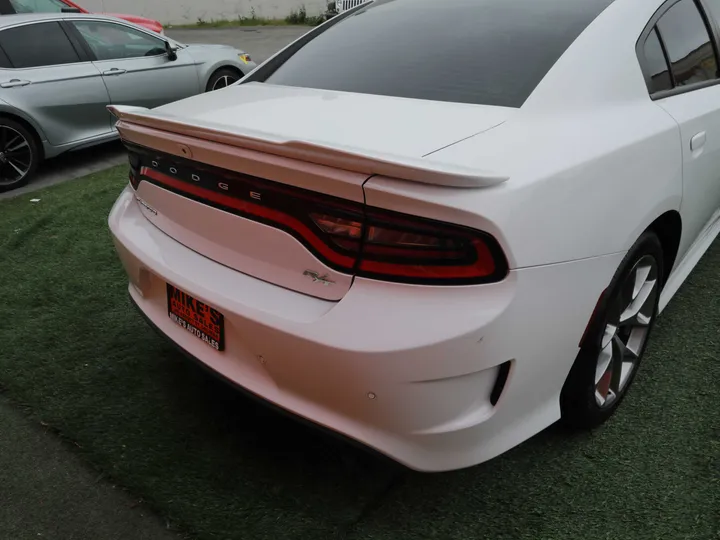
(604, 362)
(639, 312)
(3, 137)
(617, 364)
(22, 144)
(635, 342)
(642, 275)
(18, 169)
(23, 164)
(610, 331)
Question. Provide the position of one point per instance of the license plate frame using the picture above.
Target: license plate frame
(199, 319)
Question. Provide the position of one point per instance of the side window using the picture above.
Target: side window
(4, 61)
(35, 45)
(6, 8)
(38, 6)
(656, 64)
(688, 44)
(114, 41)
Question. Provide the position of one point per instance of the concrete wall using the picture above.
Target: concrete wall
(189, 11)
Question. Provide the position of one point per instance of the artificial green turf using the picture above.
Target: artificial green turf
(222, 467)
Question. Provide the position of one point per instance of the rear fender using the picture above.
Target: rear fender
(8, 110)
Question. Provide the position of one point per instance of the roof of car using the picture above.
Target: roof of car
(11, 20)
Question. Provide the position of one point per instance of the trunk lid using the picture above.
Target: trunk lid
(211, 161)
(370, 124)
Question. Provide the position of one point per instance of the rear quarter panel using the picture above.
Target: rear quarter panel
(592, 160)
(7, 109)
(583, 186)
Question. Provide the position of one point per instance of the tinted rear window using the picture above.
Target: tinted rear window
(491, 52)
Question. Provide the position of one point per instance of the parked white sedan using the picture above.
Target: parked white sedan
(435, 227)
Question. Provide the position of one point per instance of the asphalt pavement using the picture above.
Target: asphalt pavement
(47, 491)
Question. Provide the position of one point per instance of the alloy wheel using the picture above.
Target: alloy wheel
(626, 331)
(15, 156)
(224, 82)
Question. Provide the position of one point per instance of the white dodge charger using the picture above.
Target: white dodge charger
(435, 227)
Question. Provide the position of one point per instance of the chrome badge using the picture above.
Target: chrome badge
(145, 205)
(317, 278)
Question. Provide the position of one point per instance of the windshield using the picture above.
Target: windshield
(491, 52)
(38, 6)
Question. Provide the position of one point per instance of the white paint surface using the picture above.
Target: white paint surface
(190, 11)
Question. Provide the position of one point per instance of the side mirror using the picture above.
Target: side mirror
(171, 54)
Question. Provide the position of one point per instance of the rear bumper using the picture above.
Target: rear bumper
(244, 391)
(407, 370)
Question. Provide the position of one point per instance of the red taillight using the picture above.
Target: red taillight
(415, 250)
(346, 236)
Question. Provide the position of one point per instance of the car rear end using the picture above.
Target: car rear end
(275, 273)
(263, 231)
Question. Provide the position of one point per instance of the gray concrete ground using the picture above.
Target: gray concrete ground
(46, 491)
(260, 42)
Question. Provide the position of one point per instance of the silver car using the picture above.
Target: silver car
(58, 72)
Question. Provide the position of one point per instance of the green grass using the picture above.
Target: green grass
(75, 355)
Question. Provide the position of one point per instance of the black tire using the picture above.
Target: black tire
(228, 75)
(579, 405)
(19, 149)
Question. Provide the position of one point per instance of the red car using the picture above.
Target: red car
(8, 7)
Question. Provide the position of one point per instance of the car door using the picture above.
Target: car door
(135, 65)
(681, 67)
(50, 78)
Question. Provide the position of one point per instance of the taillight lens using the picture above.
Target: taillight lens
(346, 236)
(134, 172)
(415, 250)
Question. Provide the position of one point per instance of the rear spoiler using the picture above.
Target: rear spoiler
(350, 159)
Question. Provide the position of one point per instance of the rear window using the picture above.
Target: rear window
(490, 52)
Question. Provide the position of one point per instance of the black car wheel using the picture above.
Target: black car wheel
(19, 155)
(617, 337)
(223, 78)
